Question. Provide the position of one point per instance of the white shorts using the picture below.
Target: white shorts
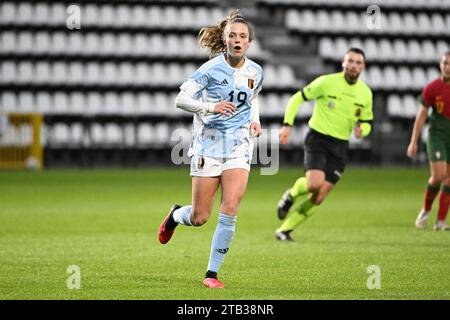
(202, 166)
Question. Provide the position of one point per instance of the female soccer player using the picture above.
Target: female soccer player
(223, 95)
(437, 96)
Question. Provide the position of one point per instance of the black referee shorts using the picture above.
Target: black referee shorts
(327, 154)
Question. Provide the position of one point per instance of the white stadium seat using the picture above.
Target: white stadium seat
(127, 103)
(404, 78)
(24, 14)
(57, 15)
(43, 102)
(8, 42)
(25, 43)
(76, 133)
(41, 13)
(43, 72)
(8, 101)
(90, 13)
(8, 13)
(155, 17)
(58, 43)
(394, 106)
(326, 48)
(109, 72)
(25, 72)
(112, 134)
(144, 103)
(73, 73)
(145, 134)
(138, 16)
(111, 103)
(107, 16)
(123, 15)
(60, 134)
(400, 50)
(124, 44)
(42, 42)
(60, 103)
(77, 102)
(94, 103)
(410, 106)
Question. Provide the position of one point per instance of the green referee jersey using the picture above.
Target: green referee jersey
(339, 105)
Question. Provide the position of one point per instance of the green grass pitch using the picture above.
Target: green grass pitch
(105, 222)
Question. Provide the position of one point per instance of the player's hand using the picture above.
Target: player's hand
(284, 133)
(358, 131)
(412, 150)
(225, 107)
(255, 129)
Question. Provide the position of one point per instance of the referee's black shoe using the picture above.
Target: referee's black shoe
(284, 205)
(283, 235)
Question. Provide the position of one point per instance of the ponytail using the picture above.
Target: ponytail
(211, 37)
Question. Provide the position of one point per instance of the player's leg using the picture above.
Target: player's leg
(315, 160)
(323, 172)
(320, 189)
(444, 203)
(205, 181)
(318, 197)
(288, 198)
(233, 183)
(438, 169)
(203, 192)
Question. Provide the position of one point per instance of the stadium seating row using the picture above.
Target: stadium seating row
(385, 50)
(122, 44)
(407, 4)
(113, 134)
(89, 103)
(402, 78)
(402, 106)
(272, 104)
(110, 15)
(123, 73)
(349, 22)
(126, 103)
(129, 135)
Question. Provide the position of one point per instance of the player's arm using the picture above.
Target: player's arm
(289, 115)
(311, 91)
(255, 103)
(364, 125)
(255, 125)
(426, 100)
(292, 107)
(419, 122)
(187, 100)
(255, 110)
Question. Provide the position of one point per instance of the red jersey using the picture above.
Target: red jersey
(436, 94)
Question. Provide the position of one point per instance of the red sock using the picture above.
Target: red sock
(444, 203)
(430, 193)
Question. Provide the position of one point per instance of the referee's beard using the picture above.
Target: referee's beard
(351, 77)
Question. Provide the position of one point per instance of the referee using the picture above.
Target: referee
(343, 103)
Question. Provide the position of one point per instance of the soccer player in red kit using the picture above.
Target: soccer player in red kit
(436, 95)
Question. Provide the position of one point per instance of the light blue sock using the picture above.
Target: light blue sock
(221, 241)
(183, 215)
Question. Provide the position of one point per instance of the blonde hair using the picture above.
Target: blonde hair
(211, 37)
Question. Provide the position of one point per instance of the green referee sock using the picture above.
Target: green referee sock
(306, 210)
(300, 188)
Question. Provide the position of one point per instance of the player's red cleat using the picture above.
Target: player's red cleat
(164, 233)
(213, 283)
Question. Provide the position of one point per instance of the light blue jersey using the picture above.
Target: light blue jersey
(218, 135)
